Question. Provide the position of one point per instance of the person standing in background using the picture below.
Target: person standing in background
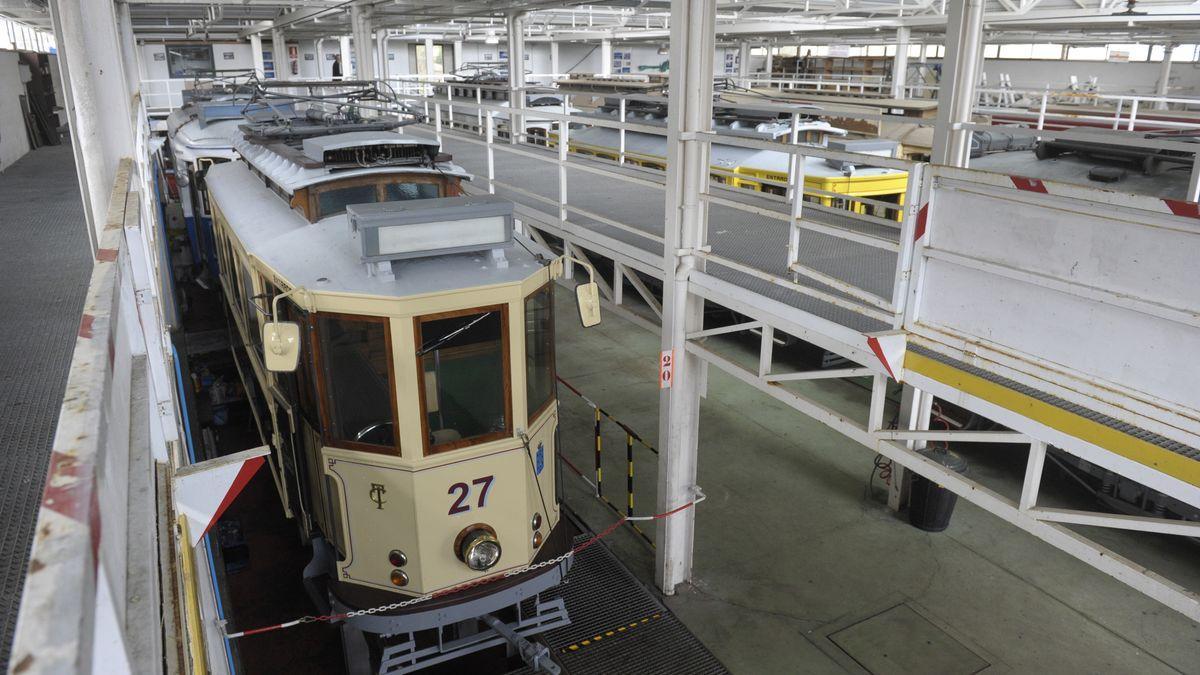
(337, 67)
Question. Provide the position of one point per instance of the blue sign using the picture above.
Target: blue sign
(540, 461)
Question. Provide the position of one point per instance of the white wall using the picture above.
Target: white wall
(13, 140)
(1139, 78)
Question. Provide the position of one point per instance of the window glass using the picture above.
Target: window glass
(1046, 51)
(189, 60)
(1082, 53)
(539, 349)
(358, 380)
(334, 201)
(464, 380)
(397, 192)
(300, 386)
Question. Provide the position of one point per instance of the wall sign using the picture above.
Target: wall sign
(160, 56)
(309, 57)
(228, 56)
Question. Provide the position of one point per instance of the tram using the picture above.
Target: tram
(399, 354)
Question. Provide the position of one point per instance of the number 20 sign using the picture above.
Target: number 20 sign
(666, 369)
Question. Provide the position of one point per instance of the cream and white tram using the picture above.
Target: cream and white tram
(399, 344)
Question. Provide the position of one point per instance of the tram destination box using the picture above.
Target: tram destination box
(427, 227)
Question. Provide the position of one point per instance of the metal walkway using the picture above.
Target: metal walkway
(757, 241)
(617, 626)
(44, 269)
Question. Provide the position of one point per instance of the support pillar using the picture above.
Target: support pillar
(279, 49)
(554, 58)
(693, 34)
(382, 70)
(97, 102)
(1164, 74)
(458, 57)
(256, 54)
(900, 63)
(743, 63)
(606, 57)
(960, 73)
(516, 76)
(429, 60)
(770, 65)
(345, 56)
(360, 28)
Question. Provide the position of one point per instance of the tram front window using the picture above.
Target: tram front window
(335, 200)
(356, 356)
(464, 377)
(398, 192)
(539, 349)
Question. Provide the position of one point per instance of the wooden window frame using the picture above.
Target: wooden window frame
(323, 386)
(505, 345)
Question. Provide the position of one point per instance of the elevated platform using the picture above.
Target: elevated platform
(45, 264)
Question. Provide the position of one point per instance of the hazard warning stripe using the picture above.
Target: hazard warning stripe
(1054, 417)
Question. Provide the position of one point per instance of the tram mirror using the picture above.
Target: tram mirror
(281, 346)
(587, 296)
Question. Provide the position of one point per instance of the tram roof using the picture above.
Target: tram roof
(323, 257)
(290, 175)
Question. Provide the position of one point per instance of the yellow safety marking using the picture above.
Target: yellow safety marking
(1100, 435)
(610, 633)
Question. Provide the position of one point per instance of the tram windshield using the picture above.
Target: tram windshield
(334, 198)
(464, 371)
(357, 362)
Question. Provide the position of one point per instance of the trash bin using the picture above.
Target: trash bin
(930, 505)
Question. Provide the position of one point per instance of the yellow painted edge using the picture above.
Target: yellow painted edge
(193, 626)
(1117, 442)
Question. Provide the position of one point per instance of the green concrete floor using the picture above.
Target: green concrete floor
(791, 548)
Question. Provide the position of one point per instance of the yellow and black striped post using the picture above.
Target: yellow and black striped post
(599, 471)
(629, 478)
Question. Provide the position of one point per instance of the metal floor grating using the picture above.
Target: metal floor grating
(754, 240)
(45, 264)
(1086, 413)
(637, 633)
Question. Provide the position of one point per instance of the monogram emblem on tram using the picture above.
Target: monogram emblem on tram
(377, 493)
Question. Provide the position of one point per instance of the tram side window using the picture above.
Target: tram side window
(464, 377)
(539, 349)
(334, 201)
(356, 357)
(300, 386)
(397, 192)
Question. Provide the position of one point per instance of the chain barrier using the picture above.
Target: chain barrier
(331, 618)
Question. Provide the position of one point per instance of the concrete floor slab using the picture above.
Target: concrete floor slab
(791, 541)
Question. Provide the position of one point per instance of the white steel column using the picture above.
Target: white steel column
(516, 76)
(256, 54)
(1164, 74)
(279, 47)
(770, 66)
(457, 56)
(743, 63)
(360, 29)
(900, 62)
(383, 71)
(956, 96)
(97, 100)
(554, 57)
(606, 57)
(690, 103)
(345, 55)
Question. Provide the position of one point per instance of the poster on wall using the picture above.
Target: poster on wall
(293, 59)
(1118, 55)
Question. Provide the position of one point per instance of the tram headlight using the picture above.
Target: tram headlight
(478, 547)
